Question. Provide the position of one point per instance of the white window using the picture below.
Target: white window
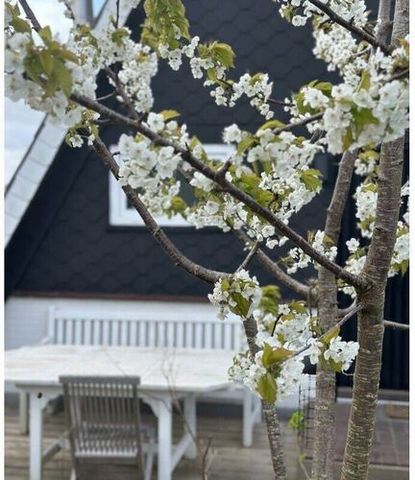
(121, 214)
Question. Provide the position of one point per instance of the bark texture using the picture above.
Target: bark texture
(323, 447)
(370, 331)
(270, 412)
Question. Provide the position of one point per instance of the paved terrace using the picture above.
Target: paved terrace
(229, 459)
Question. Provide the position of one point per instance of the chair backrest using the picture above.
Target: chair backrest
(144, 329)
(103, 417)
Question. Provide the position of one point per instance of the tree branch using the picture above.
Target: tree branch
(396, 325)
(210, 276)
(277, 272)
(30, 15)
(358, 282)
(350, 27)
(339, 324)
(249, 257)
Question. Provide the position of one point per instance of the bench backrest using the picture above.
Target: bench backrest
(158, 329)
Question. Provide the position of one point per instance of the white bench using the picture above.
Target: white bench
(155, 329)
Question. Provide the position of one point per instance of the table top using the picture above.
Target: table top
(160, 369)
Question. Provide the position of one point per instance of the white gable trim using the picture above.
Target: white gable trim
(43, 150)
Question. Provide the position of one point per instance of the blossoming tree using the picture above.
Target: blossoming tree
(266, 180)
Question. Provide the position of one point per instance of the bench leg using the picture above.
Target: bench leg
(23, 413)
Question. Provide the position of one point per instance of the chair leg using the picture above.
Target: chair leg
(150, 459)
(73, 474)
(23, 413)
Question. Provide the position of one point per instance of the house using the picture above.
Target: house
(73, 241)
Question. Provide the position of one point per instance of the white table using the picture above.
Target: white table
(164, 373)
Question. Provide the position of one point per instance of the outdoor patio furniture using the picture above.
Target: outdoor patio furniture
(105, 430)
(156, 329)
(167, 375)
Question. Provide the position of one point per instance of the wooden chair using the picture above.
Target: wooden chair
(105, 430)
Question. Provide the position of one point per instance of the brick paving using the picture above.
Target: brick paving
(391, 438)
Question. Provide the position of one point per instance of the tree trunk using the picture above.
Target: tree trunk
(370, 332)
(324, 417)
(270, 412)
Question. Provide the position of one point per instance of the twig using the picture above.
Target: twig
(30, 15)
(341, 322)
(302, 466)
(117, 18)
(275, 324)
(399, 75)
(300, 123)
(396, 325)
(276, 271)
(350, 27)
(248, 258)
(120, 89)
(357, 308)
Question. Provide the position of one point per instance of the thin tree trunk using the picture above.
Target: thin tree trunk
(370, 332)
(270, 412)
(323, 446)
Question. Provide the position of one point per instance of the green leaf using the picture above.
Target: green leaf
(178, 205)
(47, 61)
(267, 388)
(271, 356)
(272, 124)
(369, 155)
(45, 34)
(332, 333)
(298, 306)
(169, 114)
(330, 364)
(364, 81)
(347, 138)
(370, 187)
(222, 53)
(297, 421)
(246, 143)
(68, 55)
(119, 35)
(269, 300)
(242, 305)
(363, 117)
(311, 179)
(20, 25)
(62, 76)
(166, 19)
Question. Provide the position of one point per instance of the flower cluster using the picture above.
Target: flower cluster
(299, 11)
(297, 259)
(239, 294)
(257, 88)
(149, 170)
(277, 369)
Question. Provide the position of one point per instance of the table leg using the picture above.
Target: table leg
(190, 424)
(23, 413)
(165, 440)
(36, 435)
(247, 420)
